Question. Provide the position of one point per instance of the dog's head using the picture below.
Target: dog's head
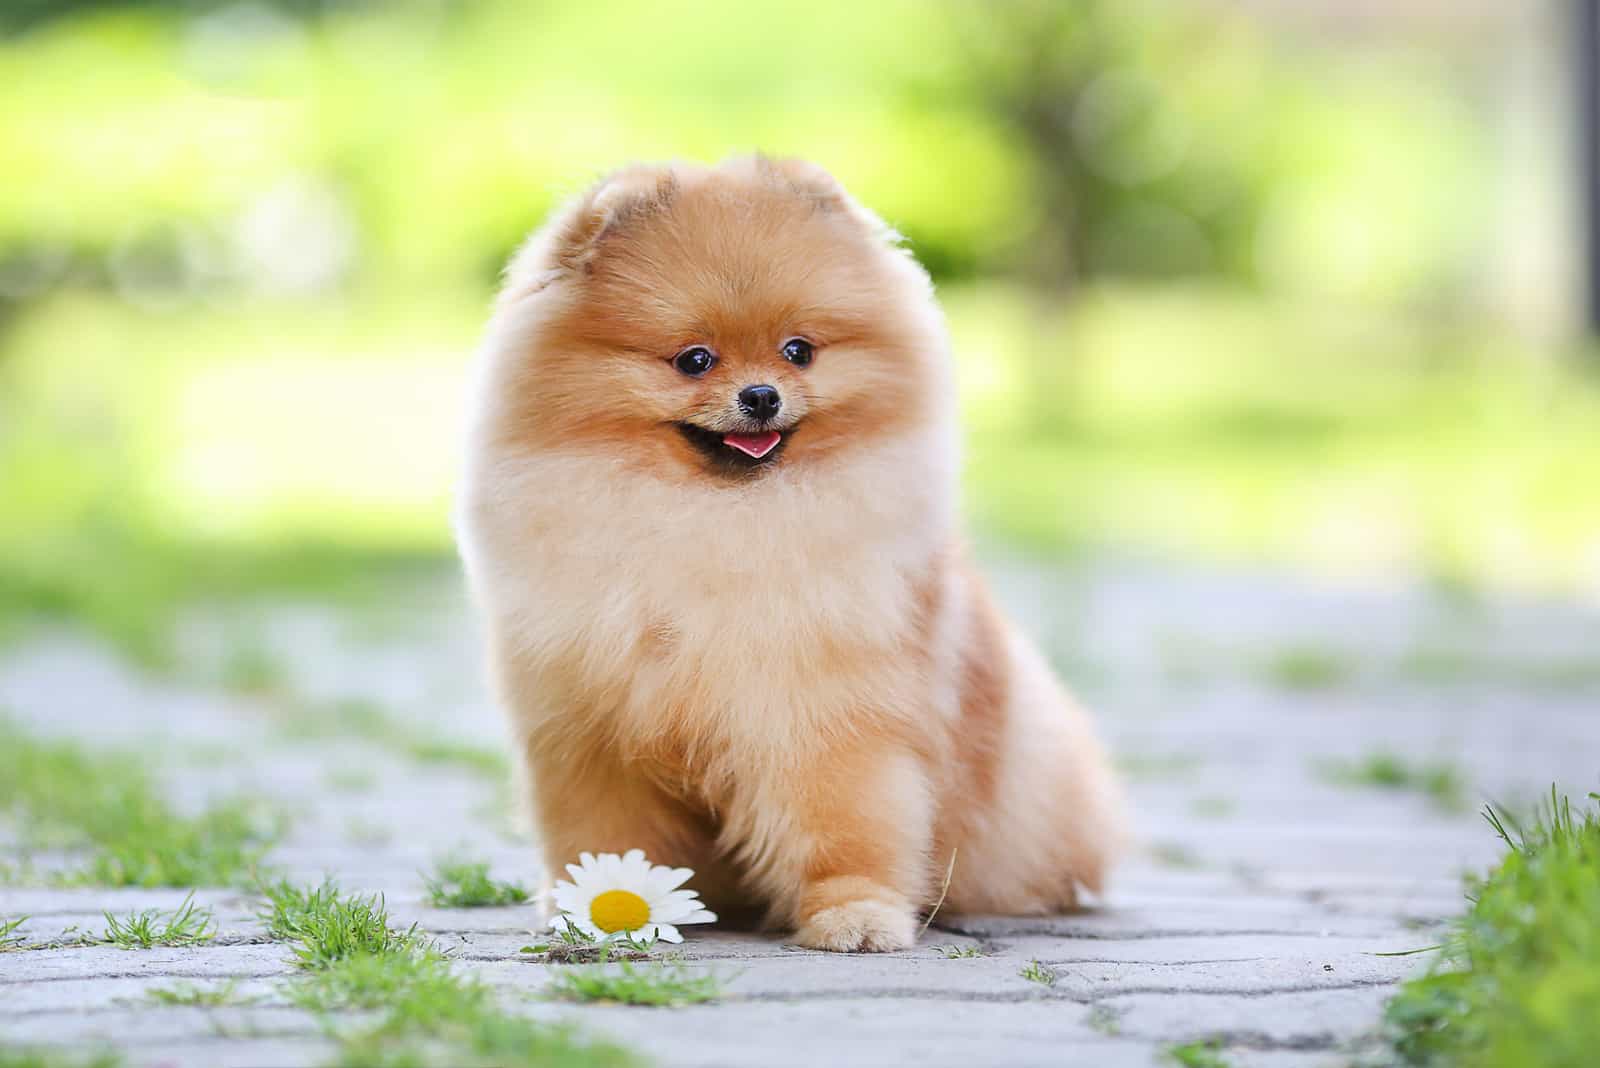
(718, 322)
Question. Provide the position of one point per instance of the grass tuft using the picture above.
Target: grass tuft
(428, 1015)
(107, 805)
(959, 952)
(1035, 972)
(328, 927)
(481, 760)
(1441, 783)
(1104, 1019)
(1197, 1055)
(9, 939)
(463, 884)
(655, 983)
(1516, 982)
(367, 981)
(41, 1057)
(187, 926)
(190, 994)
(368, 721)
(1307, 669)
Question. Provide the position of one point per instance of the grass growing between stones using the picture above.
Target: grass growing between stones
(1441, 665)
(1197, 1055)
(464, 884)
(428, 1014)
(1307, 668)
(1516, 983)
(958, 952)
(189, 994)
(367, 721)
(1035, 972)
(188, 926)
(1441, 783)
(39, 1057)
(327, 926)
(106, 805)
(654, 983)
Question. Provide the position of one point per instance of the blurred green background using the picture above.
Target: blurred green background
(1237, 282)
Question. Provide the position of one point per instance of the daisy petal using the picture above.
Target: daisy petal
(668, 933)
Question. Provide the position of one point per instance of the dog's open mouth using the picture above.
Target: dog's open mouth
(737, 451)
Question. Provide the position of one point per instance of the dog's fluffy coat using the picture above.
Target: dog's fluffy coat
(784, 675)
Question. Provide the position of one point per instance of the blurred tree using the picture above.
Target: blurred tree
(19, 15)
(1125, 182)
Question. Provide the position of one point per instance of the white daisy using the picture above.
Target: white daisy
(627, 895)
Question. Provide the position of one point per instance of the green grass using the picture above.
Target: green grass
(1197, 1055)
(428, 1014)
(463, 884)
(1516, 982)
(1104, 1019)
(460, 1027)
(486, 762)
(1440, 782)
(128, 584)
(1213, 808)
(193, 995)
(1175, 855)
(652, 983)
(368, 721)
(9, 939)
(1306, 668)
(372, 981)
(1443, 665)
(347, 718)
(1035, 972)
(106, 805)
(327, 926)
(187, 926)
(251, 667)
(1158, 767)
(958, 952)
(37, 1057)
(350, 780)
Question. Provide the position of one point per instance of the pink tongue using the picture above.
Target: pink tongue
(756, 445)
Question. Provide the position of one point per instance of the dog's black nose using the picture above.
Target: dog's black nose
(761, 402)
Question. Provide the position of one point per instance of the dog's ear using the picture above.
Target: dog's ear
(569, 241)
(610, 204)
(805, 179)
(809, 181)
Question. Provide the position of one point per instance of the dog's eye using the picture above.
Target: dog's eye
(798, 351)
(695, 361)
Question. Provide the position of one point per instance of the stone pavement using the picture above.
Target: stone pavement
(1251, 915)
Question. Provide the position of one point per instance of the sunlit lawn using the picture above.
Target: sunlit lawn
(154, 457)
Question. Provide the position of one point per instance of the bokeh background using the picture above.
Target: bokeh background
(1292, 283)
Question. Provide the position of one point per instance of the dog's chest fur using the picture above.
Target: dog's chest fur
(717, 614)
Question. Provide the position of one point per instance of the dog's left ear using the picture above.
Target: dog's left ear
(806, 179)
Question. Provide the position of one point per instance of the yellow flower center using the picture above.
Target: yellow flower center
(619, 910)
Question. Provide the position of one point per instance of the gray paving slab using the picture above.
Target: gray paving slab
(1253, 913)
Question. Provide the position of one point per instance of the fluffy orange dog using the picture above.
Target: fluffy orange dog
(709, 518)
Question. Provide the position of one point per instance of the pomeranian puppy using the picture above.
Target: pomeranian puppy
(709, 521)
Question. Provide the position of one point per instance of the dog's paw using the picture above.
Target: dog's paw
(859, 927)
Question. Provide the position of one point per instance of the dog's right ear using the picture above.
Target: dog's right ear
(569, 241)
